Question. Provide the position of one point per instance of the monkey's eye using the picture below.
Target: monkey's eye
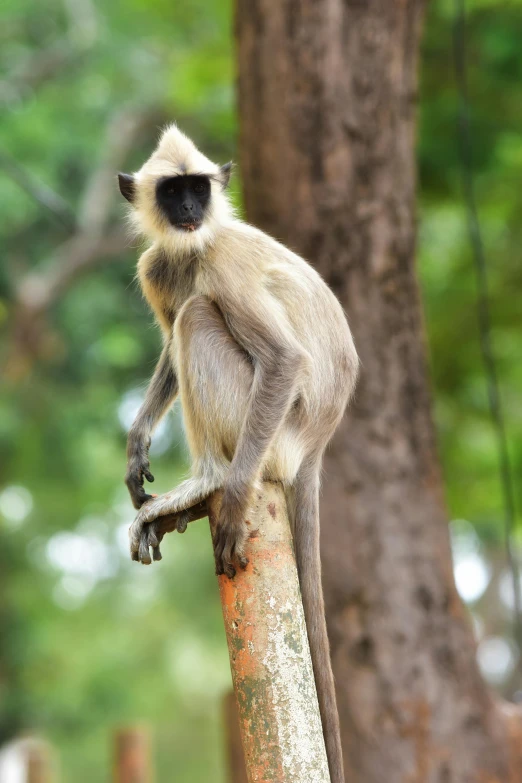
(199, 188)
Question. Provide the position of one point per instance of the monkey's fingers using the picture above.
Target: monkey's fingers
(134, 542)
(134, 482)
(229, 547)
(151, 536)
(219, 545)
(143, 551)
(139, 496)
(162, 525)
(182, 521)
(224, 550)
(138, 542)
(145, 535)
(148, 475)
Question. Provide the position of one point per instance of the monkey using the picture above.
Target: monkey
(259, 351)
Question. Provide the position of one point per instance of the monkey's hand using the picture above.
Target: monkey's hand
(138, 469)
(231, 533)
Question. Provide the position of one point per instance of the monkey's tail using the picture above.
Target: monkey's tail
(304, 508)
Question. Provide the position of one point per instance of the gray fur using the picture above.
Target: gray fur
(160, 394)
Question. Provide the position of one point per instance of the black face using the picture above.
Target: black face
(184, 200)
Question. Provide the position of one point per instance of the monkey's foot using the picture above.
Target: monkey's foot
(230, 538)
(151, 535)
(165, 513)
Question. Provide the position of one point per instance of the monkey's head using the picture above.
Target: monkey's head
(178, 195)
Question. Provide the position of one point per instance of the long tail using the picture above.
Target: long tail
(304, 510)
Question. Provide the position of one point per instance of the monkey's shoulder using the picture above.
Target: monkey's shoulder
(247, 252)
(252, 257)
(242, 241)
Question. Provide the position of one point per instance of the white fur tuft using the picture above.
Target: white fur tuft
(177, 155)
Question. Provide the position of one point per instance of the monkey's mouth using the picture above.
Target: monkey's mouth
(190, 225)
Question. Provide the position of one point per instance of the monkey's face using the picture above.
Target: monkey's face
(177, 197)
(184, 200)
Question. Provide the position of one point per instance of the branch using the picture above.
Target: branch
(41, 66)
(36, 70)
(38, 191)
(38, 291)
(31, 337)
(84, 23)
(123, 134)
(94, 242)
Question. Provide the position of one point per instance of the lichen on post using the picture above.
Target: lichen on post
(269, 654)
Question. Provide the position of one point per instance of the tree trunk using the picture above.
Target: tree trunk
(327, 95)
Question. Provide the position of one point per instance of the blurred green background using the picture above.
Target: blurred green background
(90, 640)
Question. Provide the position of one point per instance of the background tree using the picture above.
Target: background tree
(327, 96)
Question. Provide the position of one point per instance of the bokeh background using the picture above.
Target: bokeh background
(89, 640)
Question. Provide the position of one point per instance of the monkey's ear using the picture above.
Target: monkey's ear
(127, 186)
(226, 171)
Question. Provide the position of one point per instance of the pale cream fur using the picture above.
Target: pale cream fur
(239, 264)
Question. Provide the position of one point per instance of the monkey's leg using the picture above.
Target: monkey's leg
(215, 377)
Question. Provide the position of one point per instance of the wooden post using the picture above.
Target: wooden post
(39, 762)
(132, 756)
(269, 654)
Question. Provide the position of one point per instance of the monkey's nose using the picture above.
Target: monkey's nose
(188, 207)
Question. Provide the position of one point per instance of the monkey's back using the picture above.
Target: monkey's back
(258, 265)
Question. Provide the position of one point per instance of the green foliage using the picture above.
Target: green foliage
(466, 437)
(90, 640)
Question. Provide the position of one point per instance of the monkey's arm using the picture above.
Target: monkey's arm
(162, 390)
(259, 326)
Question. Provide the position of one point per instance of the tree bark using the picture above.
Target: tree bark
(327, 95)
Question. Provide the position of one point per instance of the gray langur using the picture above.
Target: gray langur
(260, 353)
